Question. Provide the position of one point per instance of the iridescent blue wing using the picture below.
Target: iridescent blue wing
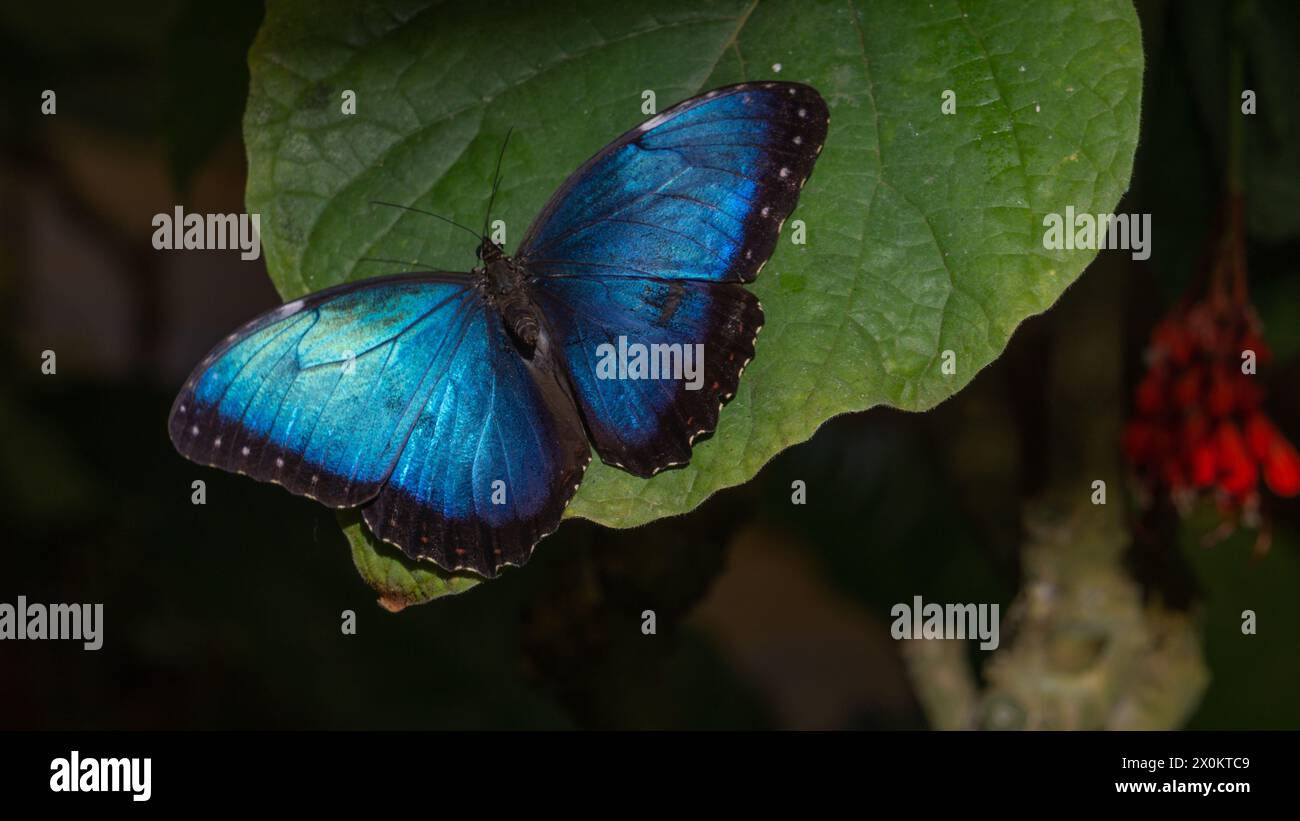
(646, 425)
(699, 191)
(402, 394)
(320, 394)
(497, 452)
(649, 239)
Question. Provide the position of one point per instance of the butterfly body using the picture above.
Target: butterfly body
(459, 410)
(503, 281)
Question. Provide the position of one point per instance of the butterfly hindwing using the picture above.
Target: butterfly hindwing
(699, 335)
(319, 394)
(496, 454)
(648, 242)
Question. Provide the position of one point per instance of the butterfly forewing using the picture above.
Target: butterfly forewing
(319, 394)
(698, 192)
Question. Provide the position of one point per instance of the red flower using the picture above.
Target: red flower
(1205, 461)
(1237, 474)
(1198, 426)
(1282, 470)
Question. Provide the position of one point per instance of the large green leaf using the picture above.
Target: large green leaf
(924, 230)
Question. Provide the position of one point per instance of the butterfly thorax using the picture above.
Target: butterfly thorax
(502, 281)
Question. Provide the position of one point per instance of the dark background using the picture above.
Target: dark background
(770, 614)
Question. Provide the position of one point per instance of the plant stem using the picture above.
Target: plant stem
(1234, 255)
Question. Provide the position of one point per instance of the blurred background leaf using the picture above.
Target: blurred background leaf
(201, 65)
(1254, 676)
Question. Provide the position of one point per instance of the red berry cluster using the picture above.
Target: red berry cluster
(1198, 425)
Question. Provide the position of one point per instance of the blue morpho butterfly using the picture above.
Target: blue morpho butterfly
(456, 408)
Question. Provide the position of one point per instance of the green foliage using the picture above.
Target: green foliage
(1255, 676)
(923, 229)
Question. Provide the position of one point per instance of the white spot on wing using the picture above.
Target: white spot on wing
(289, 308)
(653, 122)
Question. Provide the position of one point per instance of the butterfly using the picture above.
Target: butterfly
(459, 410)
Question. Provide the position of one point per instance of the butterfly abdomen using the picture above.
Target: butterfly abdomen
(504, 285)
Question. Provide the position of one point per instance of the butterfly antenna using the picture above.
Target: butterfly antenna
(471, 231)
(496, 180)
(405, 263)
